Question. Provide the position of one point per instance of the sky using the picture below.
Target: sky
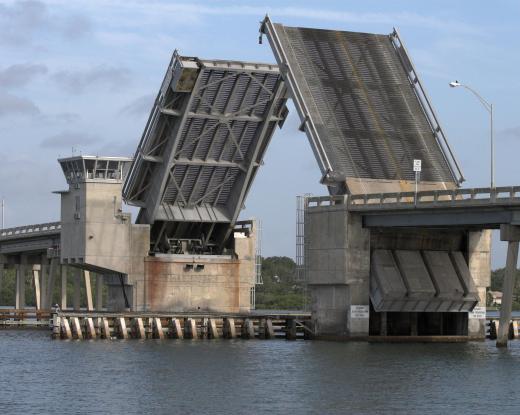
(83, 75)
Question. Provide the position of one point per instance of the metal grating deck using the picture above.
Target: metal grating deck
(357, 97)
(204, 141)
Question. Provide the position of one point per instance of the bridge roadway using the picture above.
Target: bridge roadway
(483, 208)
(30, 239)
(478, 208)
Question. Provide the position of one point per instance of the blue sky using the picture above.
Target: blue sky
(83, 74)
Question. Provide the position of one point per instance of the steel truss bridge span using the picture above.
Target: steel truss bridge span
(201, 148)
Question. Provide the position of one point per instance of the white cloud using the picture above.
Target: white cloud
(15, 105)
(20, 74)
(69, 139)
(76, 81)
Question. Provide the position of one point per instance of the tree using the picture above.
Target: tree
(280, 290)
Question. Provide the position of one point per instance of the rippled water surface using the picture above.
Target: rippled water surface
(40, 375)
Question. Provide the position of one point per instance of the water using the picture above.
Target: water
(41, 376)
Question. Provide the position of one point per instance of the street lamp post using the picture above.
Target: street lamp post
(489, 107)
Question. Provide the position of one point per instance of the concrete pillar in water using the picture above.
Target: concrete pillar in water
(88, 290)
(337, 261)
(99, 292)
(77, 289)
(50, 283)
(36, 268)
(20, 282)
(43, 280)
(511, 234)
(3, 261)
(479, 264)
(63, 271)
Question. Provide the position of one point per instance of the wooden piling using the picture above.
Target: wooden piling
(157, 328)
(290, 331)
(105, 329)
(139, 332)
(175, 329)
(190, 328)
(229, 328)
(248, 330)
(213, 331)
(90, 329)
(123, 332)
(66, 332)
(76, 328)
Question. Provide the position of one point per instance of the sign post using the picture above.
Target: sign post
(417, 166)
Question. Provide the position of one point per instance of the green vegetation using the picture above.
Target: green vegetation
(8, 289)
(280, 290)
(497, 279)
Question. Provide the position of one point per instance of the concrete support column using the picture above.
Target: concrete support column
(36, 269)
(51, 283)
(337, 260)
(77, 289)
(43, 280)
(20, 282)
(512, 235)
(3, 261)
(88, 290)
(479, 264)
(99, 292)
(63, 271)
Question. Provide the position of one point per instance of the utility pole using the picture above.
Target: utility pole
(3, 213)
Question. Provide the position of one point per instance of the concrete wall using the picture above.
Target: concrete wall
(209, 283)
(337, 258)
(479, 262)
(96, 234)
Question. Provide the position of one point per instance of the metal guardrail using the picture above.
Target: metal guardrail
(30, 230)
(436, 198)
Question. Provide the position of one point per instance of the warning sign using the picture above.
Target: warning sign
(359, 311)
(478, 312)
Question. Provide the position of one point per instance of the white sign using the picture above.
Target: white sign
(359, 311)
(478, 312)
(417, 165)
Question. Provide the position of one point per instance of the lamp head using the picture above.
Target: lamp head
(455, 84)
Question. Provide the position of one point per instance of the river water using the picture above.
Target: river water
(41, 376)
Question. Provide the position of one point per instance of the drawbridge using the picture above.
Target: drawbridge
(202, 146)
(367, 117)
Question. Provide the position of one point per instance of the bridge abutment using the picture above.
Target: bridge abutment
(511, 234)
(407, 281)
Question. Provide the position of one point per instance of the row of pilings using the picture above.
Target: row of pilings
(78, 326)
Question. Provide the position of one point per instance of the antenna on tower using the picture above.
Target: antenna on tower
(3, 213)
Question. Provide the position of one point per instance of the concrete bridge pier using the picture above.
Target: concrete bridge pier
(99, 292)
(38, 283)
(77, 289)
(63, 298)
(88, 290)
(511, 234)
(3, 261)
(51, 279)
(21, 269)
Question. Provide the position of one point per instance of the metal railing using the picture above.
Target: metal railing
(436, 198)
(30, 230)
